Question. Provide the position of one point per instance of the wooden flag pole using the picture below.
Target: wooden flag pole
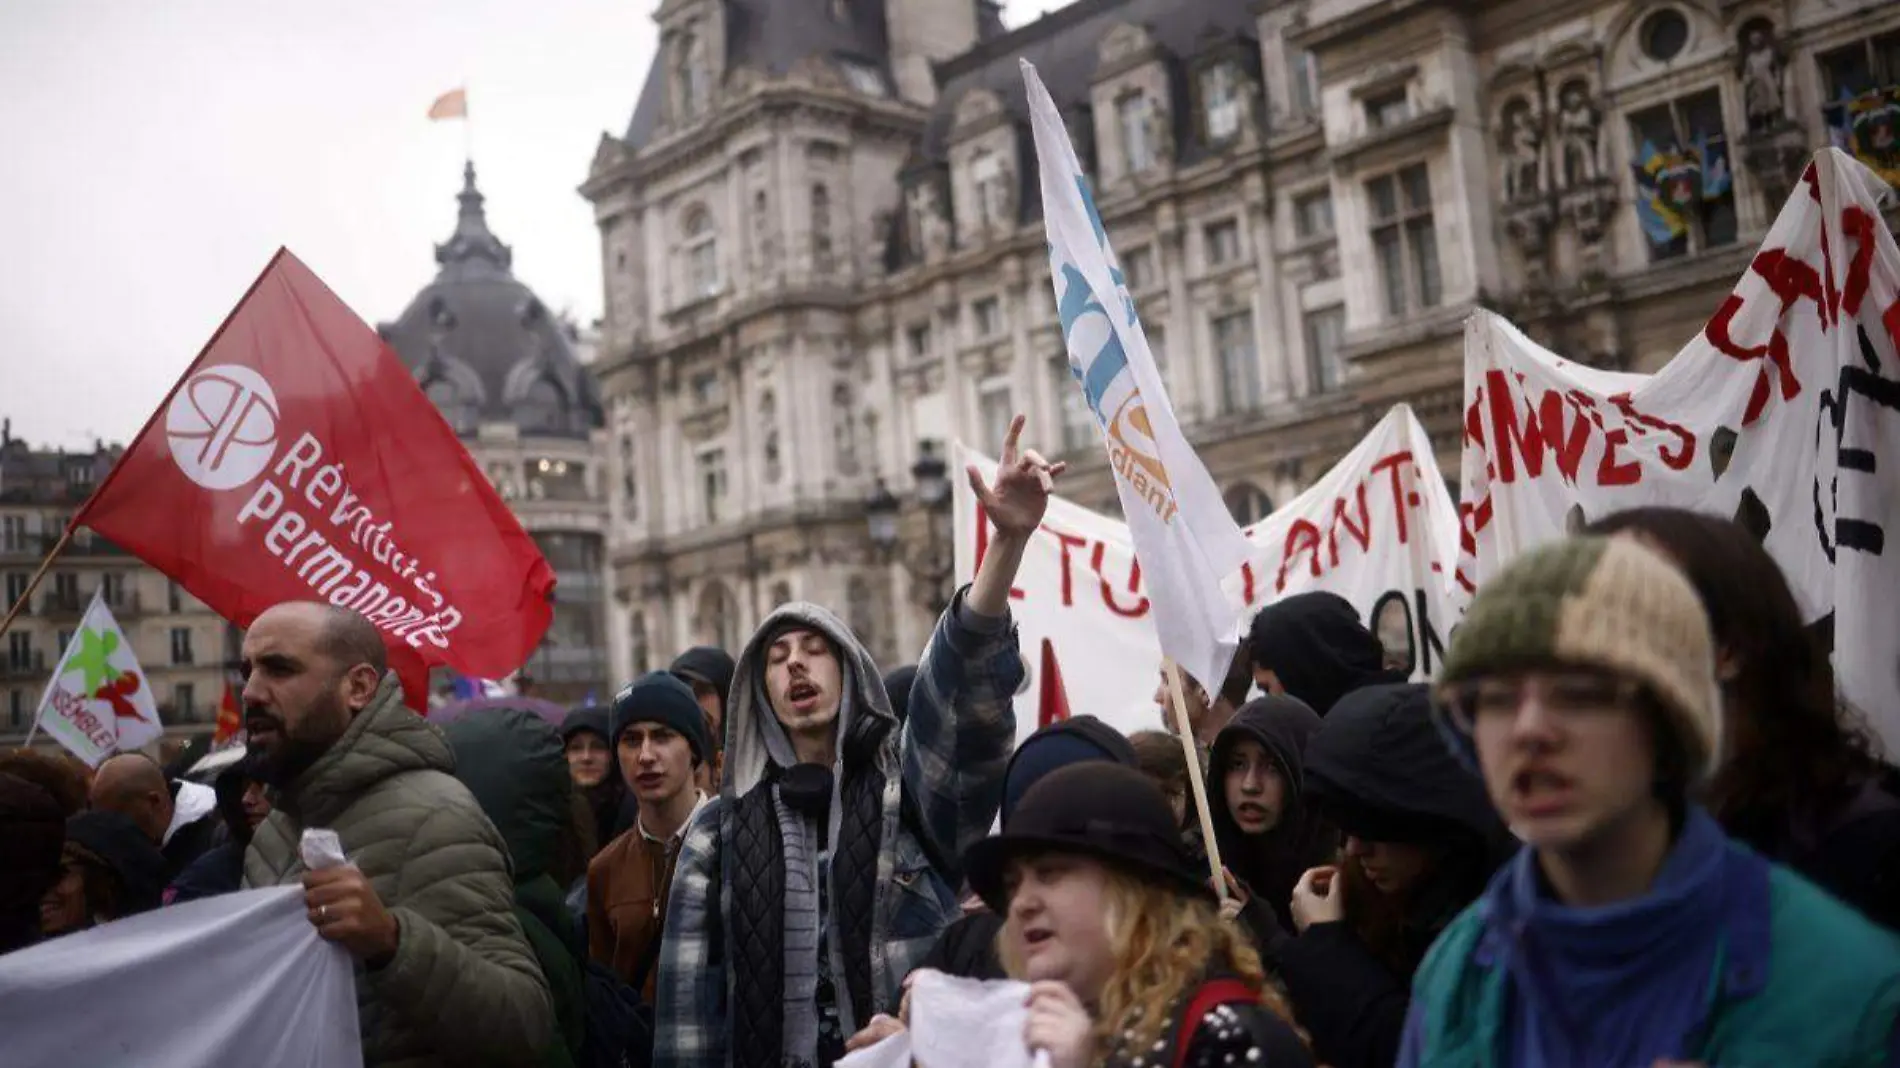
(33, 583)
(1178, 691)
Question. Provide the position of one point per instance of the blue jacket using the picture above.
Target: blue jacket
(1799, 978)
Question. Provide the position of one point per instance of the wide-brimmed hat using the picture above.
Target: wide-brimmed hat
(1098, 809)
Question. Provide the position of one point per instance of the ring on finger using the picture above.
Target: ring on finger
(323, 914)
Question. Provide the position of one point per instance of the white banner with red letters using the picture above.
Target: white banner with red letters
(1374, 530)
(1784, 412)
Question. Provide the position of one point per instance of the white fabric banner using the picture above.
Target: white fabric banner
(1784, 411)
(237, 979)
(99, 701)
(1190, 542)
(1374, 530)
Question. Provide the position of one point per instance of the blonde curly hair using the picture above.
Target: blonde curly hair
(1162, 940)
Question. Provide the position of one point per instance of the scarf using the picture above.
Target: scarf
(1621, 984)
(805, 936)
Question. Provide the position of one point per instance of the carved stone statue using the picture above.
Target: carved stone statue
(875, 238)
(764, 249)
(1524, 154)
(1159, 132)
(930, 231)
(999, 198)
(1246, 95)
(1762, 70)
(1578, 140)
(692, 73)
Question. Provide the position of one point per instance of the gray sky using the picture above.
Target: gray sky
(158, 151)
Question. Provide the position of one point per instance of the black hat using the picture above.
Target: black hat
(123, 847)
(1052, 748)
(660, 697)
(1318, 647)
(708, 664)
(1107, 811)
(585, 718)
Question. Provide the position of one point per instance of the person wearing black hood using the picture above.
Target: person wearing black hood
(1269, 835)
(1421, 839)
(32, 836)
(708, 669)
(1314, 646)
(109, 869)
(242, 805)
(596, 774)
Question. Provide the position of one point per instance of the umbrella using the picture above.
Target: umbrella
(455, 710)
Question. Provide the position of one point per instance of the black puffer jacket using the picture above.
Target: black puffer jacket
(134, 862)
(1379, 769)
(1319, 648)
(1270, 864)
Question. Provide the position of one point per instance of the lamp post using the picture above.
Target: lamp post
(930, 565)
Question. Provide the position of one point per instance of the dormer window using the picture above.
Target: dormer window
(1131, 115)
(1220, 102)
(988, 178)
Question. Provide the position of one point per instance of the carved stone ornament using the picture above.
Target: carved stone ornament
(1529, 225)
(1763, 72)
(1776, 158)
(929, 230)
(1522, 141)
(1159, 132)
(1588, 208)
(1579, 138)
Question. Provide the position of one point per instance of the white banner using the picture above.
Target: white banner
(1784, 412)
(99, 701)
(1191, 543)
(235, 979)
(1373, 530)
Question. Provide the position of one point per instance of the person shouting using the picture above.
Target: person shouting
(828, 865)
(1630, 929)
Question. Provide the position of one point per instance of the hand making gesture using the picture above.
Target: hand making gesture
(1015, 505)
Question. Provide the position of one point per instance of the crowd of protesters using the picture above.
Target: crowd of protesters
(1628, 823)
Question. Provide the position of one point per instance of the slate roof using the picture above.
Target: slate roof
(484, 346)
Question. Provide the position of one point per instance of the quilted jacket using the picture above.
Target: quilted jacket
(464, 988)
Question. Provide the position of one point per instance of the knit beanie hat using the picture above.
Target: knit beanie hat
(708, 664)
(1075, 740)
(660, 697)
(1606, 603)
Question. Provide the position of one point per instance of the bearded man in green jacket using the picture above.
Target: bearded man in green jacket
(444, 974)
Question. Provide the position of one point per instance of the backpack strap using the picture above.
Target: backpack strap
(1211, 995)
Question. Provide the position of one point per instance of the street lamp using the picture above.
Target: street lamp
(930, 566)
(931, 475)
(880, 514)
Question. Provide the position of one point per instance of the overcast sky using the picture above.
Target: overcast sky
(158, 151)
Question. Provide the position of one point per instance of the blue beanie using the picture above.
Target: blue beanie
(660, 697)
(1070, 741)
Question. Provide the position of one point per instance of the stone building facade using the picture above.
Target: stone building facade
(822, 248)
(186, 650)
(501, 368)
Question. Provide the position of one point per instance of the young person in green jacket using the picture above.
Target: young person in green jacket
(1629, 930)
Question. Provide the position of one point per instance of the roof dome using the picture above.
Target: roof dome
(484, 347)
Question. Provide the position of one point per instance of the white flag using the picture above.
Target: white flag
(1187, 543)
(99, 701)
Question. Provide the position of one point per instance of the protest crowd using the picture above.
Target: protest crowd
(1629, 814)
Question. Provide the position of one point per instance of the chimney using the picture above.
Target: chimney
(922, 31)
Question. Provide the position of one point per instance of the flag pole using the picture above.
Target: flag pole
(1186, 732)
(65, 538)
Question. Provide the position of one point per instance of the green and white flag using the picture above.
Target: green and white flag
(99, 701)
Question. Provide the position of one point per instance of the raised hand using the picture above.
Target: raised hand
(1024, 482)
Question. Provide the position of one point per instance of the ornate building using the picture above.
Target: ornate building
(823, 248)
(501, 369)
(186, 650)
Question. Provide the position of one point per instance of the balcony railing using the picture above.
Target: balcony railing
(23, 668)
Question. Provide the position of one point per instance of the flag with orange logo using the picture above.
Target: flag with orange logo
(1186, 541)
(230, 716)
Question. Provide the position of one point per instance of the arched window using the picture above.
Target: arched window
(1247, 503)
(718, 616)
(701, 246)
(821, 228)
(544, 409)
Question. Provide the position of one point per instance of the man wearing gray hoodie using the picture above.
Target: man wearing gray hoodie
(828, 864)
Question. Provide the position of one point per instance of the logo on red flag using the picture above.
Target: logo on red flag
(299, 461)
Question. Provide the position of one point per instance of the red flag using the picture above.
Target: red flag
(296, 459)
(230, 718)
(1052, 700)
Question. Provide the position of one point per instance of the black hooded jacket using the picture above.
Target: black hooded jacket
(1318, 647)
(1270, 864)
(127, 853)
(1380, 770)
(613, 805)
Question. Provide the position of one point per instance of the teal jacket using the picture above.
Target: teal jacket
(1817, 985)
